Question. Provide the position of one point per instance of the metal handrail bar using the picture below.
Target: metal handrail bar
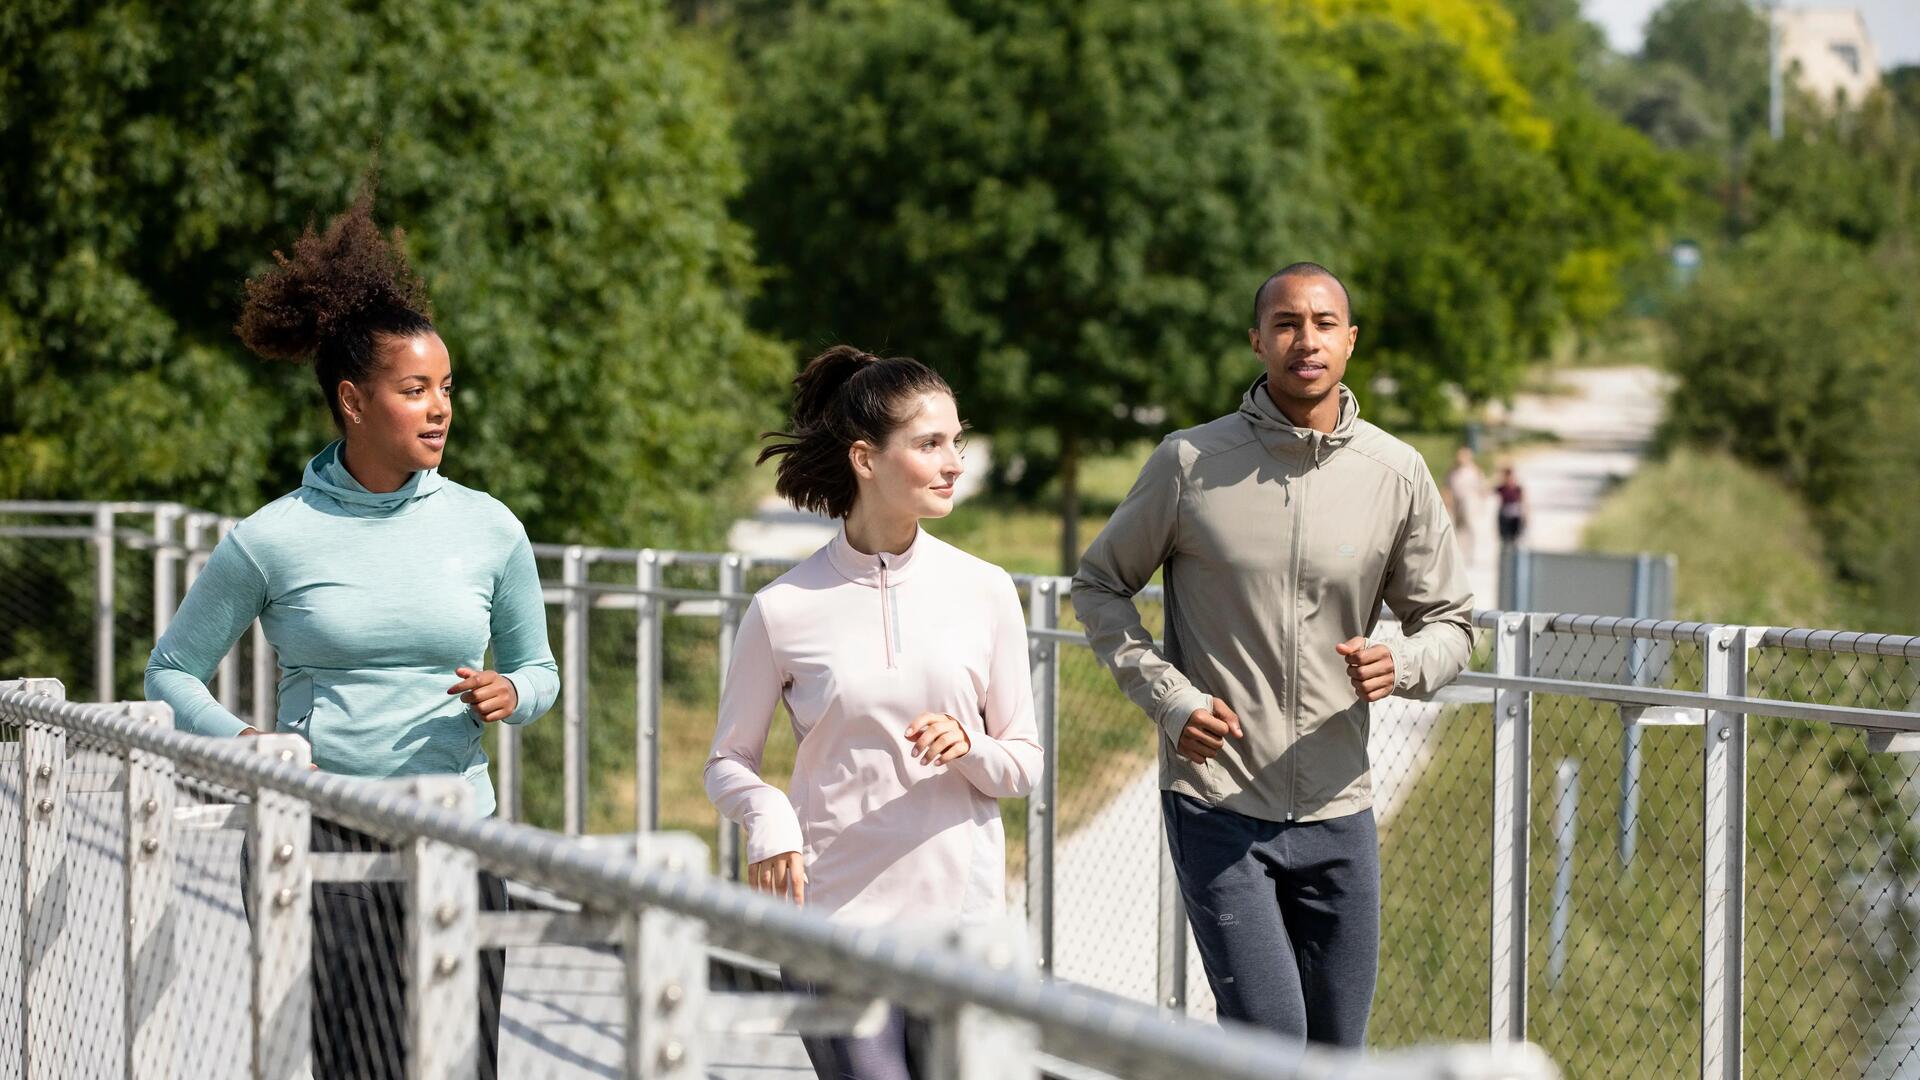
(919, 971)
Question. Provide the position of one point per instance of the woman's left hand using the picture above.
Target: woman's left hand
(490, 694)
(938, 738)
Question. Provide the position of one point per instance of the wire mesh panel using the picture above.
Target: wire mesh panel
(1833, 937)
(172, 927)
(1432, 765)
(47, 597)
(1615, 912)
(1107, 846)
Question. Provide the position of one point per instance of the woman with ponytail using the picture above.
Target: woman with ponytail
(380, 585)
(902, 662)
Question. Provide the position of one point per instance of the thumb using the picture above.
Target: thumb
(1225, 712)
(1350, 646)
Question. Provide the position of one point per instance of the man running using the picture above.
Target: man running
(1282, 527)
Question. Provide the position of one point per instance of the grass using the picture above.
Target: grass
(1749, 551)
(1826, 824)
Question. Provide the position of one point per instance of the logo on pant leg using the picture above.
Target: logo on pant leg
(1226, 918)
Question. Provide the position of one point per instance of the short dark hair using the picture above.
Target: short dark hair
(843, 396)
(340, 292)
(1299, 269)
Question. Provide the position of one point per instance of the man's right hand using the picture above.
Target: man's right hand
(1206, 731)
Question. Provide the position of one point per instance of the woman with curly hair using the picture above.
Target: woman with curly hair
(381, 585)
(902, 662)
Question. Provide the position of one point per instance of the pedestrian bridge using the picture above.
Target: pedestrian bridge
(1633, 848)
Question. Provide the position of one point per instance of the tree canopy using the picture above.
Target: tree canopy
(1064, 205)
(562, 171)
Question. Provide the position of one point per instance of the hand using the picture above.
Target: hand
(938, 738)
(1369, 668)
(489, 693)
(1206, 732)
(782, 875)
(257, 731)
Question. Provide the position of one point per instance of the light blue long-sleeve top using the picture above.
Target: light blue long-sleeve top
(370, 600)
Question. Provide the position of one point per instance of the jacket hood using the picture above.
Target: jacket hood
(326, 475)
(1277, 432)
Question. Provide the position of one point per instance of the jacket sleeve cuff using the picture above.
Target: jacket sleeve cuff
(1406, 664)
(772, 835)
(1180, 705)
(526, 699)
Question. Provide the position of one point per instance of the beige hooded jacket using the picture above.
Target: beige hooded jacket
(1279, 543)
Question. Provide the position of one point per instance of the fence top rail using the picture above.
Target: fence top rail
(69, 506)
(1850, 642)
(1840, 642)
(922, 971)
(1649, 696)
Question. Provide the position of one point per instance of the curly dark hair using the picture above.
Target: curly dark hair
(843, 395)
(340, 292)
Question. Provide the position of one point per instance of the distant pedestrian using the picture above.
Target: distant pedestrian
(1465, 488)
(1513, 507)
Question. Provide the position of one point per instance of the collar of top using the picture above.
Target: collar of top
(328, 475)
(863, 569)
(1281, 435)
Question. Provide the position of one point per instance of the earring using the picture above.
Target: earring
(356, 418)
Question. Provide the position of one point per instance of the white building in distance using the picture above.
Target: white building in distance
(1828, 52)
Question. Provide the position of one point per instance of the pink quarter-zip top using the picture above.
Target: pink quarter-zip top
(857, 646)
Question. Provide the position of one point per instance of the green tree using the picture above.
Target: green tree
(562, 170)
(1854, 175)
(1064, 205)
(1795, 353)
(1723, 45)
(1488, 213)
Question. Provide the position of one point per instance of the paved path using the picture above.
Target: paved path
(1603, 420)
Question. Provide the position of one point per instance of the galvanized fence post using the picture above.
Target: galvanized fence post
(665, 956)
(166, 562)
(1043, 613)
(648, 649)
(194, 558)
(103, 552)
(151, 1015)
(229, 673)
(280, 894)
(1566, 829)
(573, 689)
(1638, 673)
(1512, 806)
(443, 904)
(973, 1042)
(44, 1004)
(1170, 936)
(733, 586)
(1723, 781)
(265, 686)
(506, 772)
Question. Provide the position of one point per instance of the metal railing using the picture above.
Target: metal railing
(1731, 784)
(104, 800)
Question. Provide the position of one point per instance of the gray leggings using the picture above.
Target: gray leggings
(888, 1054)
(1286, 915)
